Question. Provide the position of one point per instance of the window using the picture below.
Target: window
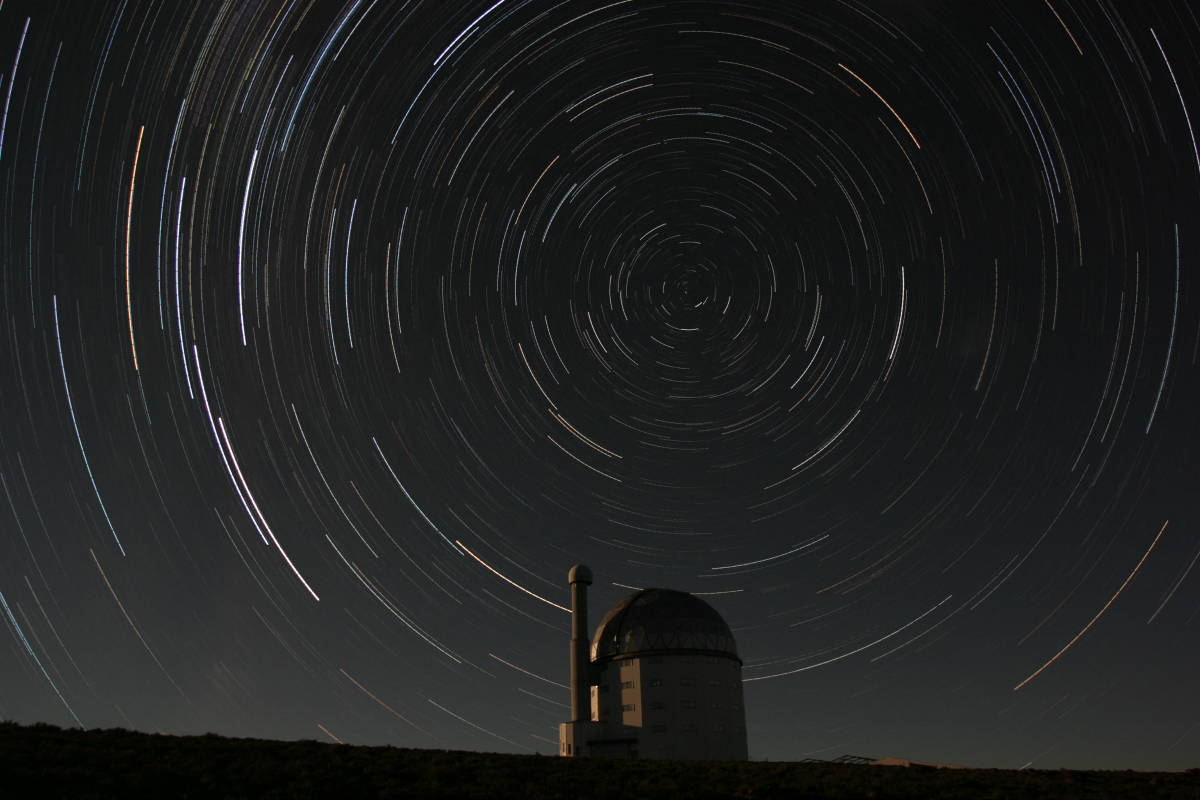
(656, 682)
(737, 729)
(630, 662)
(658, 728)
(688, 682)
(626, 684)
(657, 706)
(604, 711)
(735, 706)
(688, 704)
(690, 728)
(716, 704)
(714, 659)
(714, 683)
(629, 707)
(719, 728)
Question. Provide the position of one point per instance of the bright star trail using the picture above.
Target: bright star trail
(335, 333)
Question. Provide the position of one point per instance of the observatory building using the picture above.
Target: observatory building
(660, 678)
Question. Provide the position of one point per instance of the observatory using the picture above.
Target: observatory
(660, 678)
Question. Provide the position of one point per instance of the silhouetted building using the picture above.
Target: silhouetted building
(660, 679)
(892, 761)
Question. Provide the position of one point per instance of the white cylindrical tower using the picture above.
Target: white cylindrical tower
(580, 578)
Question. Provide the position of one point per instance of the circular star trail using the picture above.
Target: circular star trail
(336, 332)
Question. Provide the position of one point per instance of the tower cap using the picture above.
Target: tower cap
(580, 573)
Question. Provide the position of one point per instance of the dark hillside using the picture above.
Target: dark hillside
(44, 761)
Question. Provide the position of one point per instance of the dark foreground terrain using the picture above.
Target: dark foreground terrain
(43, 761)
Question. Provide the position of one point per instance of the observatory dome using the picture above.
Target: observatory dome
(653, 621)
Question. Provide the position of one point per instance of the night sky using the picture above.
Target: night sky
(335, 333)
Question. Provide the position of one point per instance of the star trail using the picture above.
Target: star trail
(336, 332)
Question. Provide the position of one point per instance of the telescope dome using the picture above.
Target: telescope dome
(662, 621)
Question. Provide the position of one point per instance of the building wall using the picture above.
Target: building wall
(685, 706)
(597, 740)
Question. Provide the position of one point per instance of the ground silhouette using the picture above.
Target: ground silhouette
(45, 761)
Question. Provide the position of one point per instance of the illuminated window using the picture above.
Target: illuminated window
(627, 684)
(629, 707)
